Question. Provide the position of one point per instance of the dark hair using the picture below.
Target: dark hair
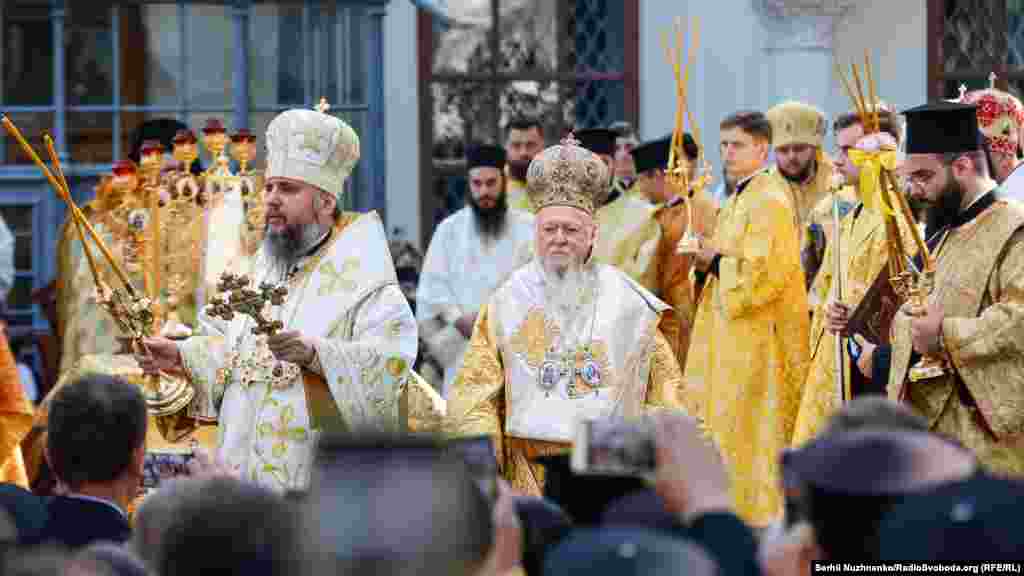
(690, 147)
(979, 160)
(887, 122)
(875, 412)
(751, 122)
(95, 425)
(524, 123)
(231, 527)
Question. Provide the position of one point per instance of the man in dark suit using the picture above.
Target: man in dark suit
(96, 449)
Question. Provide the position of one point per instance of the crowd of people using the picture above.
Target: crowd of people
(596, 278)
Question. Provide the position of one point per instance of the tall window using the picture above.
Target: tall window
(970, 39)
(570, 63)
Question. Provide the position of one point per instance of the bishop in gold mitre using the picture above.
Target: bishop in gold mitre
(564, 338)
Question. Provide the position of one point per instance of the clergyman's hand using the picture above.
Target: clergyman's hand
(705, 256)
(157, 355)
(837, 315)
(292, 346)
(465, 324)
(866, 360)
(690, 475)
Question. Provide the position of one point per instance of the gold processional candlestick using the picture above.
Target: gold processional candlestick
(677, 172)
(130, 310)
(913, 285)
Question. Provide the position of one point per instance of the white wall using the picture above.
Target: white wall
(737, 69)
(402, 119)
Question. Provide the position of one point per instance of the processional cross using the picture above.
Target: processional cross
(236, 297)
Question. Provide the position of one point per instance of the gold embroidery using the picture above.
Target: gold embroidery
(311, 139)
(334, 279)
(533, 337)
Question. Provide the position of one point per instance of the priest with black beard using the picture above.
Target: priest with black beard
(973, 323)
(471, 253)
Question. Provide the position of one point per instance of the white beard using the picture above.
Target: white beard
(563, 295)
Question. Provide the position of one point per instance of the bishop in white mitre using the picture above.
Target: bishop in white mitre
(564, 338)
(349, 337)
(471, 253)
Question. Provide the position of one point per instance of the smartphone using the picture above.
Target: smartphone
(478, 454)
(164, 464)
(614, 447)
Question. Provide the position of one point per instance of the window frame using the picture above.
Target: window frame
(496, 78)
(23, 184)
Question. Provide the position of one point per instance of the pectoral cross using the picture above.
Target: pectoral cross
(236, 297)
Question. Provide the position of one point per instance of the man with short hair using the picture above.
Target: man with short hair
(748, 351)
(96, 433)
(804, 170)
(565, 337)
(470, 254)
(629, 233)
(225, 526)
(349, 338)
(673, 217)
(625, 172)
(864, 252)
(524, 138)
(974, 319)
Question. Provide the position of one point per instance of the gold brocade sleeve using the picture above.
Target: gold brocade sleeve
(987, 350)
(476, 400)
(666, 379)
(770, 252)
(16, 414)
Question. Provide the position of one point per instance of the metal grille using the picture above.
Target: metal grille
(971, 40)
(562, 62)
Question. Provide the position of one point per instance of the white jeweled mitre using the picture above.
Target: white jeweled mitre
(313, 147)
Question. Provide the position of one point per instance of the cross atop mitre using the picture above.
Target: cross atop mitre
(992, 80)
(323, 106)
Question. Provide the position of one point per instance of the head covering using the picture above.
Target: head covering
(942, 127)
(543, 525)
(312, 147)
(623, 129)
(625, 552)
(653, 155)
(567, 175)
(974, 520)
(485, 155)
(640, 509)
(847, 481)
(796, 123)
(583, 497)
(1000, 117)
(163, 130)
(27, 511)
(597, 140)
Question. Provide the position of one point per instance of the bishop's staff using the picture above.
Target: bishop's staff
(837, 291)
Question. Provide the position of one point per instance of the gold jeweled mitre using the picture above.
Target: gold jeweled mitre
(567, 175)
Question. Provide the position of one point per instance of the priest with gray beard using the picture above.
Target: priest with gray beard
(343, 359)
(564, 338)
(470, 254)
